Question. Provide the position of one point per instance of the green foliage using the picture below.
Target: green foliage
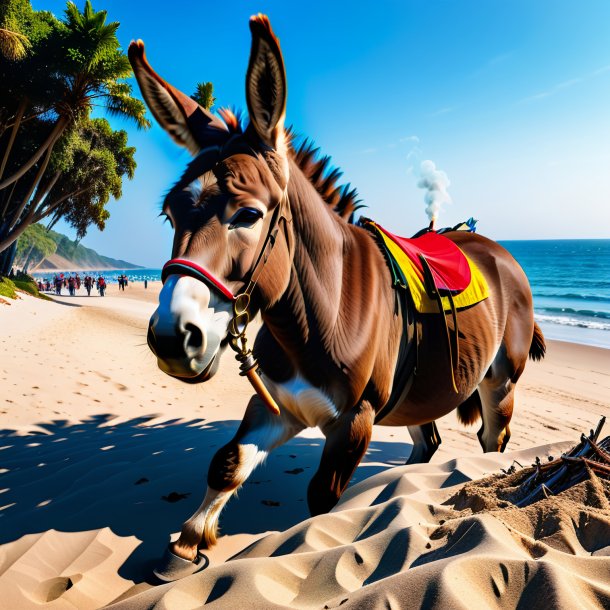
(31, 287)
(75, 253)
(34, 246)
(7, 288)
(73, 65)
(93, 160)
(204, 95)
(13, 45)
(33, 76)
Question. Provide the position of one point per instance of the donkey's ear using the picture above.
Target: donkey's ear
(266, 84)
(183, 118)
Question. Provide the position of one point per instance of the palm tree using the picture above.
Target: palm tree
(204, 95)
(89, 72)
(13, 45)
(87, 168)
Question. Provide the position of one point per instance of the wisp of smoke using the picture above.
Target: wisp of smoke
(435, 182)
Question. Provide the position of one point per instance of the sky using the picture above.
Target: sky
(511, 99)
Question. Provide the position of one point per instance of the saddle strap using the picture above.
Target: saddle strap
(452, 339)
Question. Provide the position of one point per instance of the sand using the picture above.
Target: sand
(102, 457)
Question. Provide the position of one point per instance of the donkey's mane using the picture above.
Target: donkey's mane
(317, 168)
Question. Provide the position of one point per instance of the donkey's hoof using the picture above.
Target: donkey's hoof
(171, 567)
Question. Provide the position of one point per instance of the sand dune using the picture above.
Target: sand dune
(102, 457)
(398, 541)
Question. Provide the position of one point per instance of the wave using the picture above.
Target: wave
(587, 313)
(595, 298)
(553, 280)
(575, 322)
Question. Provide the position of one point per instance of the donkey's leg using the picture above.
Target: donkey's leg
(497, 401)
(426, 441)
(260, 432)
(346, 442)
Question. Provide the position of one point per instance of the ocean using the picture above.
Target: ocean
(570, 280)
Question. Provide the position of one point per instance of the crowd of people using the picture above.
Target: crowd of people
(73, 282)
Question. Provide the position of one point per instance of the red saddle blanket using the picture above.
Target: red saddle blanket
(448, 264)
(450, 272)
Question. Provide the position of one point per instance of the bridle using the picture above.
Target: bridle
(241, 301)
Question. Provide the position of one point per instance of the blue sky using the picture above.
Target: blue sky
(510, 98)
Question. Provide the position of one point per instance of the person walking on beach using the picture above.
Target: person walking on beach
(88, 284)
(101, 285)
(121, 286)
(71, 285)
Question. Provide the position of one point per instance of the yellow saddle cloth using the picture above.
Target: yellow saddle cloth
(466, 287)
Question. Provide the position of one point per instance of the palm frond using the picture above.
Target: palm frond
(13, 45)
(129, 108)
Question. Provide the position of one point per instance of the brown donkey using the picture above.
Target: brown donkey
(252, 211)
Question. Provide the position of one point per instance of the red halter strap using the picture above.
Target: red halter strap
(182, 266)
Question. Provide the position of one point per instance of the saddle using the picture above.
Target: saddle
(438, 276)
(430, 265)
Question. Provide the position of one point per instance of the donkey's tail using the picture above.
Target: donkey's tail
(538, 346)
(469, 412)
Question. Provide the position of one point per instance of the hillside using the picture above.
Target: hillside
(42, 250)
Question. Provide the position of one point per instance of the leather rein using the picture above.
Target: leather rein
(241, 302)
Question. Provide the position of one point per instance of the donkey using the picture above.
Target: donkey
(252, 204)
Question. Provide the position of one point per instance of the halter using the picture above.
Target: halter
(241, 301)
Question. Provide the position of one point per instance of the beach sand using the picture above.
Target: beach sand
(102, 457)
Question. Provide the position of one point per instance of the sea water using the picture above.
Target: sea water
(570, 281)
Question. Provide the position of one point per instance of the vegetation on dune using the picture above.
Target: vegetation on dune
(24, 283)
(55, 160)
(30, 286)
(7, 288)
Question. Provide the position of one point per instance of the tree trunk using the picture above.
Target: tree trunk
(48, 144)
(35, 183)
(40, 214)
(6, 259)
(27, 259)
(11, 237)
(11, 140)
(7, 202)
(43, 194)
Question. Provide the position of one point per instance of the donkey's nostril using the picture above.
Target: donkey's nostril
(193, 340)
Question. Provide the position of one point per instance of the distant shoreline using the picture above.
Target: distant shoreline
(77, 269)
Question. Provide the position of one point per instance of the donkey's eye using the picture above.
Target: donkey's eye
(245, 217)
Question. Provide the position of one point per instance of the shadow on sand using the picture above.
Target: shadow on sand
(145, 479)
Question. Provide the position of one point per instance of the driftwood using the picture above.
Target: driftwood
(557, 475)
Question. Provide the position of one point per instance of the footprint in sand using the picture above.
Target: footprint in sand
(54, 588)
(174, 496)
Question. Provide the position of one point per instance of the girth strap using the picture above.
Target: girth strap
(452, 339)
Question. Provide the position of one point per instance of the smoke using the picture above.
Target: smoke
(435, 182)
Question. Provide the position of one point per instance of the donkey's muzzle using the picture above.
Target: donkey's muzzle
(187, 328)
(179, 353)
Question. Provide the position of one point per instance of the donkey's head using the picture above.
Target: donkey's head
(224, 209)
